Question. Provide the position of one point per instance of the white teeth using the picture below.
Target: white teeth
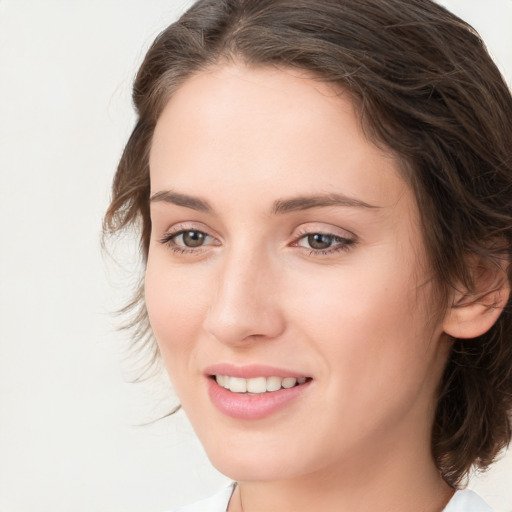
(237, 385)
(257, 385)
(289, 382)
(273, 383)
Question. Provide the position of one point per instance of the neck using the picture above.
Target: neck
(431, 496)
(392, 478)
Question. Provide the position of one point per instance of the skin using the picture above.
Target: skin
(357, 317)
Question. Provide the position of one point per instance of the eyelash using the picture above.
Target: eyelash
(169, 238)
(343, 244)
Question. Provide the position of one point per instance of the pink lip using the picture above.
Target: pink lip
(252, 407)
(250, 371)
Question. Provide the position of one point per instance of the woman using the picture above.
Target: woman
(323, 192)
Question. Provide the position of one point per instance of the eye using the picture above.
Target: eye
(317, 241)
(187, 240)
(324, 243)
(191, 238)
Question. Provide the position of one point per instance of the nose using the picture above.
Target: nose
(245, 305)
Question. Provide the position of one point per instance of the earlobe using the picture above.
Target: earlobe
(473, 313)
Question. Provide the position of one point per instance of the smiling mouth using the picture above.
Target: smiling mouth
(258, 385)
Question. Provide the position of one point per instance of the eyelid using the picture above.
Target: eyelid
(190, 226)
(323, 229)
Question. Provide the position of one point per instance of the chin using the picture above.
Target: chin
(257, 464)
(250, 471)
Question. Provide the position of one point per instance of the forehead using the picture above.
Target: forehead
(236, 126)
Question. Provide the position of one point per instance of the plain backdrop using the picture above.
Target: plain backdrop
(71, 434)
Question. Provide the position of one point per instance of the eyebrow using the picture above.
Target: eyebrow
(280, 206)
(168, 196)
(318, 201)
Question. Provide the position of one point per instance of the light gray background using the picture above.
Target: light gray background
(69, 439)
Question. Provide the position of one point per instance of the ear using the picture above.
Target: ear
(474, 312)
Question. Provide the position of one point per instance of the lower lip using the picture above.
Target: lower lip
(252, 407)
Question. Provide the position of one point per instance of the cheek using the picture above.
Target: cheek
(369, 337)
(175, 303)
(368, 321)
(357, 298)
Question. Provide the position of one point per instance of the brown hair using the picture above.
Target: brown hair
(426, 89)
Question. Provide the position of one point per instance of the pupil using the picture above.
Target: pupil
(193, 238)
(319, 241)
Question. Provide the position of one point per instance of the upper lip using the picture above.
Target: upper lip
(251, 371)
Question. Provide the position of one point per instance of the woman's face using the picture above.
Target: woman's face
(286, 246)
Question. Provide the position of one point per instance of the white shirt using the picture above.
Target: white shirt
(462, 501)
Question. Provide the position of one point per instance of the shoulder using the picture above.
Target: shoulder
(467, 501)
(217, 503)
